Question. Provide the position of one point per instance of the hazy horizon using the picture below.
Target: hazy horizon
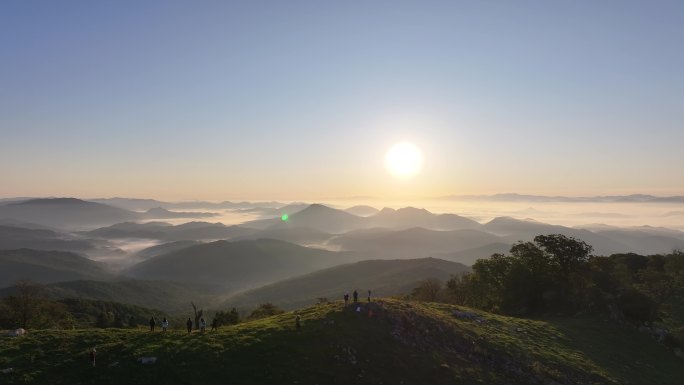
(574, 213)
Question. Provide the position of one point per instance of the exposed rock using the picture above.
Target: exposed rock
(147, 360)
(17, 332)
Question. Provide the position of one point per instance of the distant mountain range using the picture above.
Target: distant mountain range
(512, 197)
(315, 251)
(65, 212)
(388, 233)
(327, 219)
(605, 242)
(136, 204)
(77, 213)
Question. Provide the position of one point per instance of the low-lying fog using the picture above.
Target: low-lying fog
(227, 217)
(574, 214)
(557, 213)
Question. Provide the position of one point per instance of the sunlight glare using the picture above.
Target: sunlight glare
(404, 160)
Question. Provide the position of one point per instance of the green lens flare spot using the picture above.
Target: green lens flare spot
(284, 217)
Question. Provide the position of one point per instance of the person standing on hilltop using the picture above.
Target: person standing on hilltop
(203, 325)
(165, 324)
(189, 325)
(346, 299)
(153, 323)
(298, 322)
(369, 295)
(356, 296)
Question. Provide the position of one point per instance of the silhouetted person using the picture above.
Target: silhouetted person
(165, 324)
(346, 298)
(356, 296)
(214, 324)
(188, 323)
(93, 353)
(298, 320)
(203, 325)
(152, 324)
(369, 296)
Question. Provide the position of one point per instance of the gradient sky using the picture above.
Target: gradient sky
(301, 99)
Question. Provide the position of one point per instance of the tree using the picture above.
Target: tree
(462, 290)
(428, 290)
(25, 306)
(53, 314)
(265, 310)
(198, 315)
(118, 321)
(567, 252)
(231, 317)
(535, 278)
(102, 321)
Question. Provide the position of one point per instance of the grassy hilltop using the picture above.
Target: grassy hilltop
(402, 343)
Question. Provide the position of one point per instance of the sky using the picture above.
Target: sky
(300, 100)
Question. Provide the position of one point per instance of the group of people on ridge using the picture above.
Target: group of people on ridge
(214, 325)
(188, 324)
(355, 295)
(164, 324)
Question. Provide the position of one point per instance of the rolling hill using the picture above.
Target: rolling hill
(171, 297)
(402, 343)
(470, 256)
(165, 231)
(514, 230)
(163, 248)
(362, 210)
(409, 217)
(162, 213)
(131, 204)
(644, 242)
(315, 216)
(38, 239)
(47, 266)
(299, 235)
(413, 242)
(384, 277)
(65, 212)
(237, 265)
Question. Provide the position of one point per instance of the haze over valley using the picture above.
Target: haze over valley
(137, 238)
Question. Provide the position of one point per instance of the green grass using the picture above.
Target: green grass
(626, 355)
(409, 343)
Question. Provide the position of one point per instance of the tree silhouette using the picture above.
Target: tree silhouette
(198, 315)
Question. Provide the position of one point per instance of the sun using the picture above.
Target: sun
(404, 160)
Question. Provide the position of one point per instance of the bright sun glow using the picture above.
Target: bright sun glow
(404, 160)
